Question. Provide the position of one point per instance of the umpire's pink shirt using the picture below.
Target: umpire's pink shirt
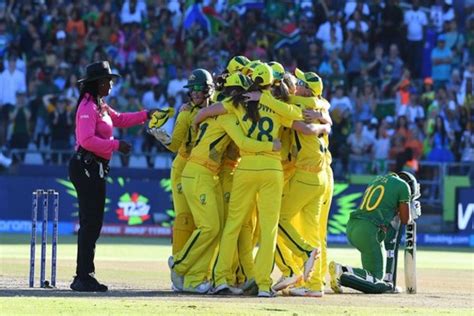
(94, 131)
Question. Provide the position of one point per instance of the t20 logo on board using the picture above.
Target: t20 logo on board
(133, 208)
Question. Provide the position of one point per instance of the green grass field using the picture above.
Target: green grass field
(136, 272)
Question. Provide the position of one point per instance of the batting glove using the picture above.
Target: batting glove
(415, 209)
(160, 135)
(159, 117)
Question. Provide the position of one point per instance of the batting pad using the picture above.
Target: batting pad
(369, 285)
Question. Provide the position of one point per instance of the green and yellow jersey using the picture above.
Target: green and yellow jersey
(214, 136)
(381, 199)
(309, 150)
(266, 129)
(182, 139)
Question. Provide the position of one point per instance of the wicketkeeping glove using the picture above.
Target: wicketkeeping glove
(415, 209)
(160, 117)
(161, 135)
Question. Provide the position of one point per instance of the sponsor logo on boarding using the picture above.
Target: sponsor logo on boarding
(465, 210)
(134, 209)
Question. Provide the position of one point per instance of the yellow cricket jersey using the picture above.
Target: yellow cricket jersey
(266, 129)
(214, 136)
(309, 150)
(324, 106)
(217, 96)
(286, 110)
(182, 139)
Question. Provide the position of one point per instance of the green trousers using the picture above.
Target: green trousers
(369, 240)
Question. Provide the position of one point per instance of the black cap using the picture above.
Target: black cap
(98, 70)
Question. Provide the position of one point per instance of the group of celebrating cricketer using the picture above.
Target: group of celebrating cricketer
(253, 169)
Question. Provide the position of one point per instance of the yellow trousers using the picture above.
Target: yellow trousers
(183, 223)
(258, 180)
(286, 262)
(323, 221)
(204, 196)
(304, 195)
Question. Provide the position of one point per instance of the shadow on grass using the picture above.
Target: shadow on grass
(58, 293)
(15, 239)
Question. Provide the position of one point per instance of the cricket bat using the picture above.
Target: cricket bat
(410, 257)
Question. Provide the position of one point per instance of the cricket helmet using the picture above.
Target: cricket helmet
(312, 81)
(265, 73)
(412, 183)
(237, 63)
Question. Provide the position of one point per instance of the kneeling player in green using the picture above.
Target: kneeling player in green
(375, 226)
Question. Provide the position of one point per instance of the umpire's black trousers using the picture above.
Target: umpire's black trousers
(90, 188)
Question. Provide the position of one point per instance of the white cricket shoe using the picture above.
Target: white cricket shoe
(225, 289)
(202, 288)
(335, 271)
(309, 263)
(266, 294)
(176, 280)
(302, 291)
(285, 281)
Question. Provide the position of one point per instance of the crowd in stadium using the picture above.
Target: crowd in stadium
(398, 75)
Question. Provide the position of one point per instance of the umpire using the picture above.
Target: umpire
(89, 165)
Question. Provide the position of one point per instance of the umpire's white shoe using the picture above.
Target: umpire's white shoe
(202, 288)
(225, 289)
(177, 280)
(285, 281)
(335, 271)
(302, 291)
(309, 263)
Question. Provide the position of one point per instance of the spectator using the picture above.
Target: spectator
(428, 95)
(365, 104)
(12, 81)
(154, 98)
(324, 31)
(413, 111)
(454, 41)
(440, 143)
(356, 24)
(20, 125)
(375, 65)
(415, 20)
(392, 19)
(441, 60)
(467, 145)
(355, 51)
(360, 147)
(333, 45)
(353, 6)
(326, 68)
(396, 64)
(441, 12)
(380, 150)
(76, 28)
(60, 125)
(341, 102)
(5, 37)
(176, 86)
(133, 11)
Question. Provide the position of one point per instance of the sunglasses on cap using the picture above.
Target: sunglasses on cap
(301, 83)
(197, 88)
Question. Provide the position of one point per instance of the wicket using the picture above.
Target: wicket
(38, 196)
